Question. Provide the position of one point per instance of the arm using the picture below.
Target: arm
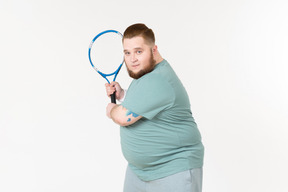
(121, 115)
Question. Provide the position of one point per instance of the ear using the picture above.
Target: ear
(154, 49)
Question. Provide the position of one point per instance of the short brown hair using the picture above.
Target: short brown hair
(140, 29)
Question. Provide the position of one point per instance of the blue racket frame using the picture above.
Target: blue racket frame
(104, 75)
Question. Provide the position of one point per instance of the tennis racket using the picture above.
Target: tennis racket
(106, 55)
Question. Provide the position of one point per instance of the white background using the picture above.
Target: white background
(230, 55)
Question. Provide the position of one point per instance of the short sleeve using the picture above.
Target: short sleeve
(149, 95)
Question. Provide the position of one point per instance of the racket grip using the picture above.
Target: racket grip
(113, 97)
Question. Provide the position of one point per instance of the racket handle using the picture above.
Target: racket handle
(113, 97)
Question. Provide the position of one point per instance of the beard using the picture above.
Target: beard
(144, 71)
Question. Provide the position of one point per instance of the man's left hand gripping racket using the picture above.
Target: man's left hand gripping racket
(105, 53)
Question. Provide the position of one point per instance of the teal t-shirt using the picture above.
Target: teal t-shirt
(166, 139)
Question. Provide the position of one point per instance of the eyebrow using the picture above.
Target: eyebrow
(136, 48)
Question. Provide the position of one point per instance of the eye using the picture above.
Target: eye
(127, 53)
(139, 52)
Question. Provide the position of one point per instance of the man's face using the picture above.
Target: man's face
(138, 57)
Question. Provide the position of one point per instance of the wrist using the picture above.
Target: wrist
(109, 109)
(112, 112)
(122, 95)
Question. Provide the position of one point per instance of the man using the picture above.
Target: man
(159, 137)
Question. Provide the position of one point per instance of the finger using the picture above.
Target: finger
(114, 83)
(108, 86)
(111, 90)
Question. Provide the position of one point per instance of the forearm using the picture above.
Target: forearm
(117, 114)
(123, 117)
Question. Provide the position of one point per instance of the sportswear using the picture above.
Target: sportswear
(166, 140)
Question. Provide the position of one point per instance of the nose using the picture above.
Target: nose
(133, 58)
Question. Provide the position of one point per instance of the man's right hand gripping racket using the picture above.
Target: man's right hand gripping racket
(105, 54)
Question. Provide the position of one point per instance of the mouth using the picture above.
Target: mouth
(135, 66)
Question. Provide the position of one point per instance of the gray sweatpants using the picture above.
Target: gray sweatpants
(186, 181)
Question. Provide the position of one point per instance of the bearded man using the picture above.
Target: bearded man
(159, 136)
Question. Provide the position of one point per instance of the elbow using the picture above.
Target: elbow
(121, 122)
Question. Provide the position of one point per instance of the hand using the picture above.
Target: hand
(109, 107)
(112, 87)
